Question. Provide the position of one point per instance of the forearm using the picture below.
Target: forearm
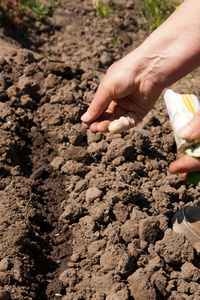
(173, 50)
(134, 83)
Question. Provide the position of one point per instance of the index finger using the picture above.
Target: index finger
(99, 104)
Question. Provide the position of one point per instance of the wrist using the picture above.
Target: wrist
(173, 50)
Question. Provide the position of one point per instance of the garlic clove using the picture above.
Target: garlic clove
(124, 123)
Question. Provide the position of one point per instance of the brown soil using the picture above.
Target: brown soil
(83, 215)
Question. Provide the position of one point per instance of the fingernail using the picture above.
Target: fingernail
(85, 117)
(185, 132)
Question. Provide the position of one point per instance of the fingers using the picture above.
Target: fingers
(183, 175)
(100, 126)
(192, 129)
(185, 164)
(99, 104)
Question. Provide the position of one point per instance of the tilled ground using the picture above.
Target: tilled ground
(83, 215)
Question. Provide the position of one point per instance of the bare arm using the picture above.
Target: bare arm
(174, 48)
(135, 82)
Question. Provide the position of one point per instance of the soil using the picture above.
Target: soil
(84, 215)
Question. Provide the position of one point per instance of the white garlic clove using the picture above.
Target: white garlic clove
(124, 123)
(120, 125)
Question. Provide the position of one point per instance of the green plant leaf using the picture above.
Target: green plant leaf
(193, 178)
(39, 10)
(104, 9)
(156, 12)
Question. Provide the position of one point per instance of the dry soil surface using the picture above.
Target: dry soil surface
(83, 215)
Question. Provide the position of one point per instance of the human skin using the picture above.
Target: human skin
(134, 83)
(188, 164)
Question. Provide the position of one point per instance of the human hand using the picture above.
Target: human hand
(134, 83)
(187, 163)
(127, 89)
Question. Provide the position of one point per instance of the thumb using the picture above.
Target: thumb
(99, 104)
(192, 129)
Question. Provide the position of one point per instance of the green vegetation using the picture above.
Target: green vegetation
(193, 178)
(155, 12)
(104, 9)
(38, 10)
(115, 41)
(13, 11)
